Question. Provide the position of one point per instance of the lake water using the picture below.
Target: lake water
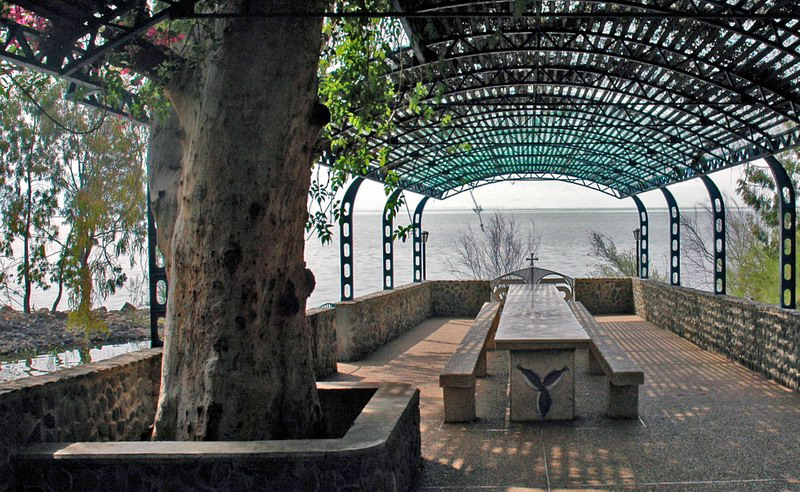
(564, 247)
(16, 366)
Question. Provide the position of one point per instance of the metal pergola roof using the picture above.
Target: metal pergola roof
(619, 96)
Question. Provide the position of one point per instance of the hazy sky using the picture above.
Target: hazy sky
(554, 194)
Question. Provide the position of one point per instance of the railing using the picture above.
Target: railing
(534, 275)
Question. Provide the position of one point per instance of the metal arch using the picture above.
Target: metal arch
(617, 79)
(387, 232)
(419, 250)
(531, 177)
(604, 120)
(597, 55)
(644, 258)
(497, 140)
(449, 179)
(663, 51)
(737, 28)
(788, 219)
(719, 227)
(346, 271)
(674, 238)
(156, 275)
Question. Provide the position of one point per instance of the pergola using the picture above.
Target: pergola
(622, 97)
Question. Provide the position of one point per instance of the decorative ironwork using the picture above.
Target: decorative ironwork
(346, 271)
(718, 216)
(787, 219)
(419, 250)
(157, 278)
(387, 231)
(674, 238)
(644, 258)
(599, 92)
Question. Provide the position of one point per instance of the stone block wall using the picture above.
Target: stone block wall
(605, 295)
(458, 297)
(110, 400)
(323, 330)
(368, 322)
(380, 452)
(761, 337)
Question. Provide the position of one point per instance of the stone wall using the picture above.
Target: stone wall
(605, 295)
(368, 322)
(381, 451)
(761, 337)
(110, 400)
(458, 297)
(323, 340)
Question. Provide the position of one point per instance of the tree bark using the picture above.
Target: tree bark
(237, 358)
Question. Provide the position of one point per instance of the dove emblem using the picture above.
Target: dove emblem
(542, 387)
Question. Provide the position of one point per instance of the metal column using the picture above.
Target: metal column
(718, 211)
(388, 240)
(674, 238)
(644, 259)
(346, 239)
(787, 220)
(157, 274)
(419, 252)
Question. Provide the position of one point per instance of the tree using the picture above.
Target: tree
(615, 263)
(500, 248)
(101, 178)
(759, 271)
(229, 172)
(248, 122)
(28, 195)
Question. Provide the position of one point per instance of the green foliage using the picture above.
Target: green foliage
(757, 274)
(103, 187)
(75, 162)
(362, 101)
(613, 262)
(28, 197)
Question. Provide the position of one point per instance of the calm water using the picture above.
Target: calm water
(564, 245)
(564, 248)
(15, 367)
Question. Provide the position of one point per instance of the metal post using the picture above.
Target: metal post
(424, 236)
(674, 238)
(787, 220)
(644, 260)
(718, 211)
(388, 241)
(157, 274)
(346, 239)
(419, 252)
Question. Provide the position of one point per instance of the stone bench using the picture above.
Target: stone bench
(607, 357)
(457, 379)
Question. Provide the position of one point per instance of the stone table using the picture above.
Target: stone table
(541, 333)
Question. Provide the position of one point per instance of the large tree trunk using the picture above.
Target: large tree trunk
(237, 357)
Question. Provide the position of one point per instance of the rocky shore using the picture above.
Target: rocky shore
(42, 331)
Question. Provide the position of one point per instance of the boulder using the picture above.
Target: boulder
(127, 308)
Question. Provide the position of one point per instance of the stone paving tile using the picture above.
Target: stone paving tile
(706, 424)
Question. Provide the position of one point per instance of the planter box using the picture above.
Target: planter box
(380, 451)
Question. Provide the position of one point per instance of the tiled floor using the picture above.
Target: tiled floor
(706, 423)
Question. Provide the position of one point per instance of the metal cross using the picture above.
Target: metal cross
(532, 259)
